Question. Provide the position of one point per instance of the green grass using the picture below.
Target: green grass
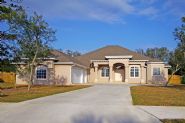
(158, 96)
(173, 121)
(21, 93)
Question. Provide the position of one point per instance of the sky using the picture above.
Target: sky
(86, 25)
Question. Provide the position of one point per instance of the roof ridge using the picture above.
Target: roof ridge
(73, 59)
(96, 50)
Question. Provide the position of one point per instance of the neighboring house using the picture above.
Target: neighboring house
(109, 64)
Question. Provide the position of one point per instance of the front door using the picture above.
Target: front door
(118, 75)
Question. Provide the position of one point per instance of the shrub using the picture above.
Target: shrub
(183, 80)
(1, 80)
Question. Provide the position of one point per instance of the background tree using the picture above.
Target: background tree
(140, 51)
(34, 37)
(158, 53)
(72, 53)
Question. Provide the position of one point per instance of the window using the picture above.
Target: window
(156, 71)
(105, 72)
(41, 72)
(134, 72)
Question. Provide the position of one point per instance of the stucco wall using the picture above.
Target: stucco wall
(63, 71)
(145, 71)
(20, 80)
(91, 75)
(150, 67)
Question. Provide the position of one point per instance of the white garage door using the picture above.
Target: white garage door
(78, 75)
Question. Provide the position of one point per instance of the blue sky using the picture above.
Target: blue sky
(85, 25)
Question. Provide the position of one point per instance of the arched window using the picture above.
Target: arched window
(41, 72)
(134, 71)
(105, 72)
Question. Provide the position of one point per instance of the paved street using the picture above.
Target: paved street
(97, 104)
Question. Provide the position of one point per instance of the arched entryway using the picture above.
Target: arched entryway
(119, 72)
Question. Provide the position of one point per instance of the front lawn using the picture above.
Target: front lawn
(158, 96)
(21, 93)
(6, 85)
(173, 121)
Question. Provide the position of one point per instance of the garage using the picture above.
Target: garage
(78, 75)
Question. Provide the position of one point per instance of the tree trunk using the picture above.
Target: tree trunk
(30, 83)
(31, 78)
(169, 79)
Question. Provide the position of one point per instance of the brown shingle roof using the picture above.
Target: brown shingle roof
(100, 54)
(62, 57)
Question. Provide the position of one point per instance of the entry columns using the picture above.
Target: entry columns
(110, 73)
(96, 73)
(126, 73)
(142, 74)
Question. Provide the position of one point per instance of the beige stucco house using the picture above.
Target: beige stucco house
(109, 64)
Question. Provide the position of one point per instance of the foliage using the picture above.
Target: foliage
(177, 57)
(72, 53)
(7, 43)
(183, 80)
(34, 37)
(158, 53)
(158, 80)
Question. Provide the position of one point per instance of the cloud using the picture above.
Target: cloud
(109, 11)
(100, 10)
(175, 7)
(148, 11)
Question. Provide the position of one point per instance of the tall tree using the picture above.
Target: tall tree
(180, 36)
(34, 37)
(7, 44)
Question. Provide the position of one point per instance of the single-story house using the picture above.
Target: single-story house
(109, 64)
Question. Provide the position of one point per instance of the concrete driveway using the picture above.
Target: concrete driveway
(97, 104)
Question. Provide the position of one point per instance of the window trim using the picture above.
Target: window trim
(135, 66)
(105, 68)
(156, 68)
(41, 67)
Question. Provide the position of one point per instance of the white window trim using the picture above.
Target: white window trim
(36, 73)
(134, 73)
(101, 72)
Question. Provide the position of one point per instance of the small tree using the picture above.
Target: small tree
(33, 37)
(177, 58)
(176, 62)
